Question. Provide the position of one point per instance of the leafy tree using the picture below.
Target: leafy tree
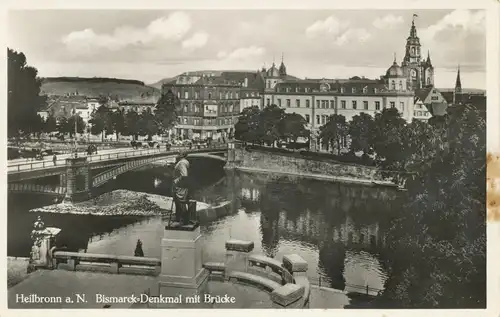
(292, 126)
(387, 137)
(62, 125)
(441, 237)
(118, 122)
(70, 125)
(50, 124)
(131, 123)
(23, 100)
(101, 122)
(334, 131)
(361, 132)
(147, 124)
(246, 127)
(268, 125)
(166, 111)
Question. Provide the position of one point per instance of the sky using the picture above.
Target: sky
(149, 45)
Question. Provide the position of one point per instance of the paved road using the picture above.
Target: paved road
(47, 162)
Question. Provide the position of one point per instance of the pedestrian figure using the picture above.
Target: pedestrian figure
(138, 248)
(54, 159)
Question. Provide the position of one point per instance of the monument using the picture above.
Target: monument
(181, 256)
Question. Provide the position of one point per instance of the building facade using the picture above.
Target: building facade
(210, 106)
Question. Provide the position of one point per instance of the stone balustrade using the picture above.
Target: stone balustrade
(286, 281)
(76, 261)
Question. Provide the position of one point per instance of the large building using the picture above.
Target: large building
(317, 99)
(210, 105)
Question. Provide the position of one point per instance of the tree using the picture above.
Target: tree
(441, 238)
(132, 123)
(246, 127)
(50, 125)
(101, 121)
(292, 126)
(361, 131)
(62, 125)
(23, 100)
(147, 124)
(166, 111)
(387, 137)
(118, 122)
(268, 127)
(334, 131)
(70, 125)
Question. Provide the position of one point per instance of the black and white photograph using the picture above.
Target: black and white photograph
(247, 159)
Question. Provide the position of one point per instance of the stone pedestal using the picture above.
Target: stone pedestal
(237, 252)
(181, 265)
(78, 180)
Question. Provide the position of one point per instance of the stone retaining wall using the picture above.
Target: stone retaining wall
(258, 160)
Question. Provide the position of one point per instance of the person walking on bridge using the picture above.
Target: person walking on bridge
(54, 159)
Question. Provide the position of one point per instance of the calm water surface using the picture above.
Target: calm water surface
(339, 229)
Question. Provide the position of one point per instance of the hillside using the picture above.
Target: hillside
(121, 89)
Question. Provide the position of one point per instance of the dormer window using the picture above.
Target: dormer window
(353, 90)
(342, 89)
(365, 90)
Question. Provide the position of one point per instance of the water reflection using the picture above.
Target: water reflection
(337, 228)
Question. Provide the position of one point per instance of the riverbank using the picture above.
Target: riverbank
(319, 168)
(119, 203)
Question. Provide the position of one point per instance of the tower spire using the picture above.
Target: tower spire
(394, 59)
(458, 87)
(282, 57)
(413, 30)
(458, 83)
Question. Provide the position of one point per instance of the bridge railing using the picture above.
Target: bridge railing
(104, 157)
(36, 188)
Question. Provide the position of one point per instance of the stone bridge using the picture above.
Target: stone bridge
(75, 173)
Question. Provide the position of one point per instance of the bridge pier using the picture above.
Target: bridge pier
(232, 156)
(77, 179)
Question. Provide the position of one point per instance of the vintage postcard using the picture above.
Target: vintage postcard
(301, 156)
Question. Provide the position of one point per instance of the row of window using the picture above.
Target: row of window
(197, 108)
(250, 94)
(354, 90)
(227, 95)
(325, 104)
(214, 121)
(421, 114)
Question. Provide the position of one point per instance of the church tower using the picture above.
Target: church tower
(428, 72)
(412, 60)
(458, 88)
(282, 70)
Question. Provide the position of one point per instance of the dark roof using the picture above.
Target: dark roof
(437, 109)
(255, 79)
(465, 98)
(136, 103)
(423, 93)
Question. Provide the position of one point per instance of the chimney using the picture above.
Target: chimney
(246, 82)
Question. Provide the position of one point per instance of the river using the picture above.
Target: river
(339, 229)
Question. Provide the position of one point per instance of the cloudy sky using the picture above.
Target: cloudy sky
(149, 45)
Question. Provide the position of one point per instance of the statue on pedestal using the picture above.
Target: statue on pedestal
(180, 189)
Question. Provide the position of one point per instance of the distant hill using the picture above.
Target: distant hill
(158, 84)
(215, 73)
(121, 89)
